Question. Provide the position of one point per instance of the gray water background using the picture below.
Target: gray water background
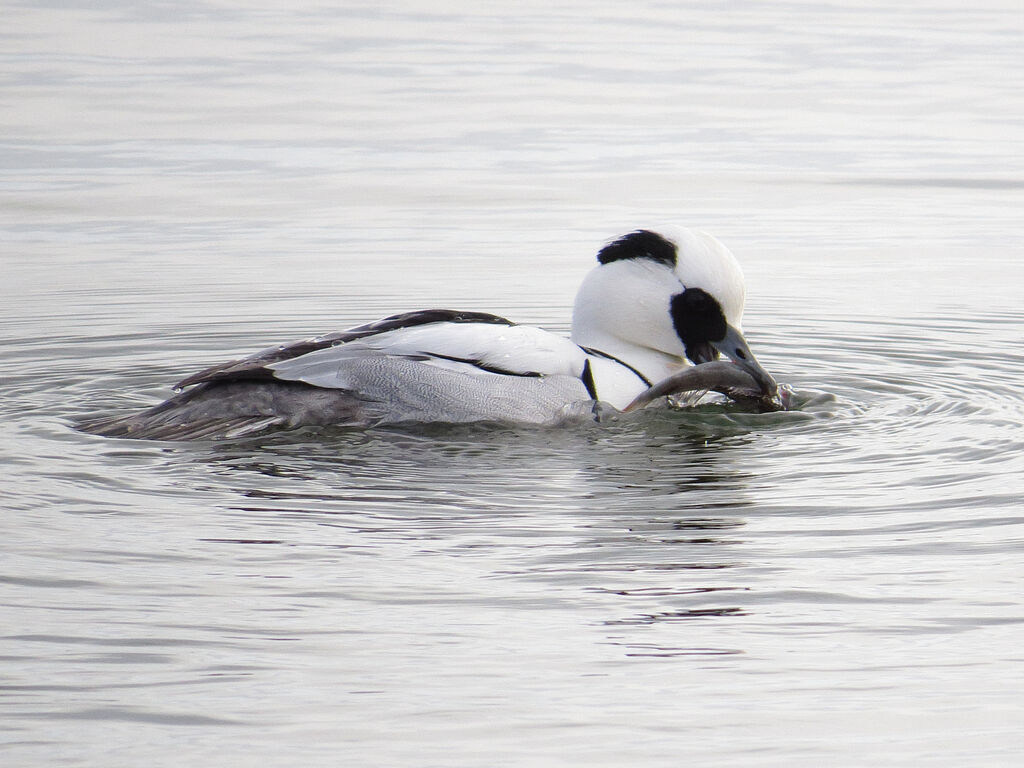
(840, 585)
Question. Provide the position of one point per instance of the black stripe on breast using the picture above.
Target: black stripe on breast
(588, 380)
(606, 356)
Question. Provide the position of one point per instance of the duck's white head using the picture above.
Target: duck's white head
(659, 299)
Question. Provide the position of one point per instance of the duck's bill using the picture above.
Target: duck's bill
(732, 380)
(734, 346)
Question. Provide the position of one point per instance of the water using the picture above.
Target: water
(838, 585)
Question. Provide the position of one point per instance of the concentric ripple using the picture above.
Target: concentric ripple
(917, 405)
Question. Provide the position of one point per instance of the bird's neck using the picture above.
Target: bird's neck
(652, 364)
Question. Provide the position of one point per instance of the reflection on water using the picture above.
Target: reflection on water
(551, 509)
(708, 586)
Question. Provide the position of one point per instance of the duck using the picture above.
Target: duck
(657, 302)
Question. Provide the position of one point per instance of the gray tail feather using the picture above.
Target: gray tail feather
(220, 410)
(137, 426)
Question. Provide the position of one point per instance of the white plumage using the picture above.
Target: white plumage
(656, 303)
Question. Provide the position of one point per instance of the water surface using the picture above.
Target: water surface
(838, 585)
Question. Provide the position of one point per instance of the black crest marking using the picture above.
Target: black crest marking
(698, 320)
(642, 244)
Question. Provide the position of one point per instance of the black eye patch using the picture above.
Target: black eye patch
(698, 319)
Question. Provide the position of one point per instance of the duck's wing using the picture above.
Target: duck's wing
(367, 390)
(471, 348)
(436, 366)
(259, 365)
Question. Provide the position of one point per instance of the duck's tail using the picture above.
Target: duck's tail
(235, 409)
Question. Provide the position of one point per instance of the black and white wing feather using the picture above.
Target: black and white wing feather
(430, 366)
(257, 366)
